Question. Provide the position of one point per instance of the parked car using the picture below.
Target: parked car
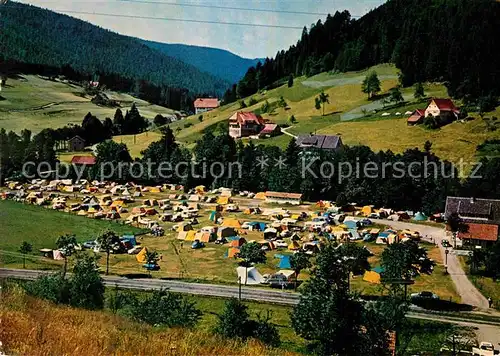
(280, 244)
(90, 244)
(424, 295)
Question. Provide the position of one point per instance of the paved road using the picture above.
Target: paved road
(469, 294)
(215, 290)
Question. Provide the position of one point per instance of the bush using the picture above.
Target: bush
(188, 124)
(252, 101)
(200, 118)
(86, 286)
(235, 322)
(84, 290)
(242, 104)
(165, 309)
(53, 288)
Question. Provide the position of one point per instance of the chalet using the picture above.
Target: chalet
(202, 105)
(76, 144)
(417, 117)
(482, 217)
(270, 130)
(283, 198)
(323, 142)
(443, 108)
(244, 124)
(83, 160)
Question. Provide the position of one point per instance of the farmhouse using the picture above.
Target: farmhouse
(244, 124)
(76, 144)
(202, 105)
(283, 198)
(270, 130)
(442, 107)
(322, 142)
(417, 117)
(482, 216)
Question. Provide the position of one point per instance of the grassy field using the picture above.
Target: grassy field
(41, 227)
(178, 259)
(34, 103)
(488, 287)
(63, 330)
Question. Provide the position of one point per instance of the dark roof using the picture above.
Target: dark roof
(319, 141)
(87, 160)
(471, 210)
(76, 138)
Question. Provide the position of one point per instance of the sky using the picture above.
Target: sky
(246, 41)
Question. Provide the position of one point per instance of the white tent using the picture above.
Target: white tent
(249, 275)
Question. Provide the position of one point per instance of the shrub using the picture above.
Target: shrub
(166, 309)
(252, 101)
(188, 124)
(54, 288)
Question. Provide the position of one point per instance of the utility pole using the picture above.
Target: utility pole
(239, 288)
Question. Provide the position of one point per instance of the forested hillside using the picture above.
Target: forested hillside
(218, 62)
(453, 41)
(51, 41)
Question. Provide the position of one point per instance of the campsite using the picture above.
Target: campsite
(167, 220)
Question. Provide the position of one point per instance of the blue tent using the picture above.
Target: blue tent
(284, 262)
(384, 234)
(351, 224)
(260, 226)
(378, 269)
(130, 239)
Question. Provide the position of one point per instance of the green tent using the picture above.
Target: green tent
(420, 217)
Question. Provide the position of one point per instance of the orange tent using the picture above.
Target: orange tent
(232, 252)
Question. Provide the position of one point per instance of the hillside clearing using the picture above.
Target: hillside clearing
(35, 103)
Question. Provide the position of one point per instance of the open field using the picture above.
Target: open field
(67, 331)
(41, 227)
(178, 260)
(34, 103)
(63, 330)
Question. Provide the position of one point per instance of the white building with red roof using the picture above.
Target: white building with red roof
(444, 108)
(441, 107)
(202, 105)
(244, 124)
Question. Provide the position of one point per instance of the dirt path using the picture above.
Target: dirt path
(467, 291)
(288, 133)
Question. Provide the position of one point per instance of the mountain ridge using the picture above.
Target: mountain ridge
(46, 41)
(221, 63)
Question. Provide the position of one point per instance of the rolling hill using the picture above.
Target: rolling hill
(47, 42)
(217, 62)
(34, 102)
(350, 114)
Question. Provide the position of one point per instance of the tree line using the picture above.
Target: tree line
(427, 40)
(423, 185)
